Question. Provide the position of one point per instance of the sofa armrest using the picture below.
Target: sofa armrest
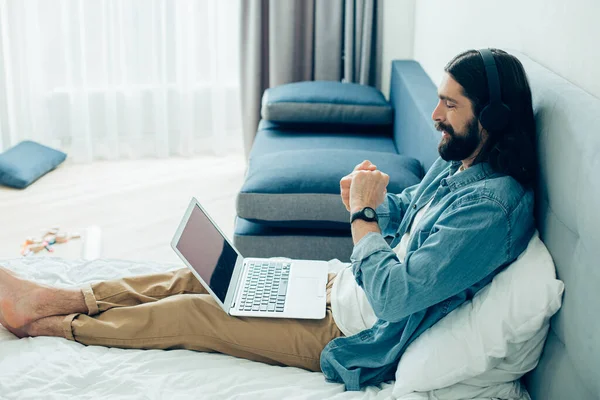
(414, 97)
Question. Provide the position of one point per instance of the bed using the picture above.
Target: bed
(54, 368)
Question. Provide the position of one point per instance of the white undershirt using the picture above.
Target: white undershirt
(350, 308)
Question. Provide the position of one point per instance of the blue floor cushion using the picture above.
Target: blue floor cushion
(26, 162)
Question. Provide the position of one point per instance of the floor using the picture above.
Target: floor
(137, 204)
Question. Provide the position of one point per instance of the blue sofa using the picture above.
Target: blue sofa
(310, 136)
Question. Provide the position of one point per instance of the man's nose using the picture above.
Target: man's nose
(438, 114)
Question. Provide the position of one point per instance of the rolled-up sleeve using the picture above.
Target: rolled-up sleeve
(392, 210)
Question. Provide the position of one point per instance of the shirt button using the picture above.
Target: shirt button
(414, 206)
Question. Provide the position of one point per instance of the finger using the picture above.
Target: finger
(365, 165)
(346, 201)
(381, 175)
(369, 165)
(386, 177)
(345, 185)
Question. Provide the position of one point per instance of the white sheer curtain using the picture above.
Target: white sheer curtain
(110, 79)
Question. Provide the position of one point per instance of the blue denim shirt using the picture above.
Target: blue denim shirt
(478, 222)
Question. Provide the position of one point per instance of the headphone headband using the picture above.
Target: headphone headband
(491, 71)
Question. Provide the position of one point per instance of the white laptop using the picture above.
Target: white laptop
(249, 287)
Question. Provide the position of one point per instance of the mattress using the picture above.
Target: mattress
(54, 368)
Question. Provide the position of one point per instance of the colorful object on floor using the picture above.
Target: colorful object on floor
(49, 238)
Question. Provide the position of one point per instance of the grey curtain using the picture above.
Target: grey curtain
(286, 41)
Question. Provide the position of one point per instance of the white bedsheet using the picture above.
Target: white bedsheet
(52, 368)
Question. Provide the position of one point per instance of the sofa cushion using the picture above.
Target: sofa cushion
(327, 102)
(301, 188)
(23, 164)
(271, 138)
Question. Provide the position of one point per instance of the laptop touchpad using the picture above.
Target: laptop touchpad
(308, 286)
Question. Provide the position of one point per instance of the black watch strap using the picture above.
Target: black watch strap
(366, 214)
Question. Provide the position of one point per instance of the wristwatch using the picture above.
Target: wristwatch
(366, 214)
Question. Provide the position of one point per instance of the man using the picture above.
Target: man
(469, 217)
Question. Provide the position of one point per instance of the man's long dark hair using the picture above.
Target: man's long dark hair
(512, 150)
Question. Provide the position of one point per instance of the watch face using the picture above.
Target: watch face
(369, 213)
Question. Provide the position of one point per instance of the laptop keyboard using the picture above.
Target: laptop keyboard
(266, 286)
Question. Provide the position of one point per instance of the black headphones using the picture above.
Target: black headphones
(495, 115)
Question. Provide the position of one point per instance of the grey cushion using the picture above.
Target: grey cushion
(326, 102)
(567, 211)
(258, 240)
(301, 188)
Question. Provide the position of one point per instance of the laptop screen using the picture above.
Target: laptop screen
(207, 252)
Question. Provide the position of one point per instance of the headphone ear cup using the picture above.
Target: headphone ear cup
(494, 117)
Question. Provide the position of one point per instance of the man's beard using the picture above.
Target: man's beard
(458, 147)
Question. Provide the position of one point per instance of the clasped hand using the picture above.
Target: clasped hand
(364, 187)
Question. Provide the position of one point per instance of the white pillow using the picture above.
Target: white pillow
(504, 327)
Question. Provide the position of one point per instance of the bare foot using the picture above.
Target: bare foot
(18, 332)
(22, 302)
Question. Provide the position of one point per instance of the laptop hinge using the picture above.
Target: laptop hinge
(239, 271)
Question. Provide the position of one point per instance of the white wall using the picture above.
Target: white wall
(562, 35)
(398, 36)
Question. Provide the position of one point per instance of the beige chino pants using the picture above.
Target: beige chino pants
(173, 311)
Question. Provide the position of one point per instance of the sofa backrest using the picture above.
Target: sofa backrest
(567, 211)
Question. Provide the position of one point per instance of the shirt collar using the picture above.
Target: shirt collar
(472, 174)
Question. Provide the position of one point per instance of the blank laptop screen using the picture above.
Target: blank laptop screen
(207, 252)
